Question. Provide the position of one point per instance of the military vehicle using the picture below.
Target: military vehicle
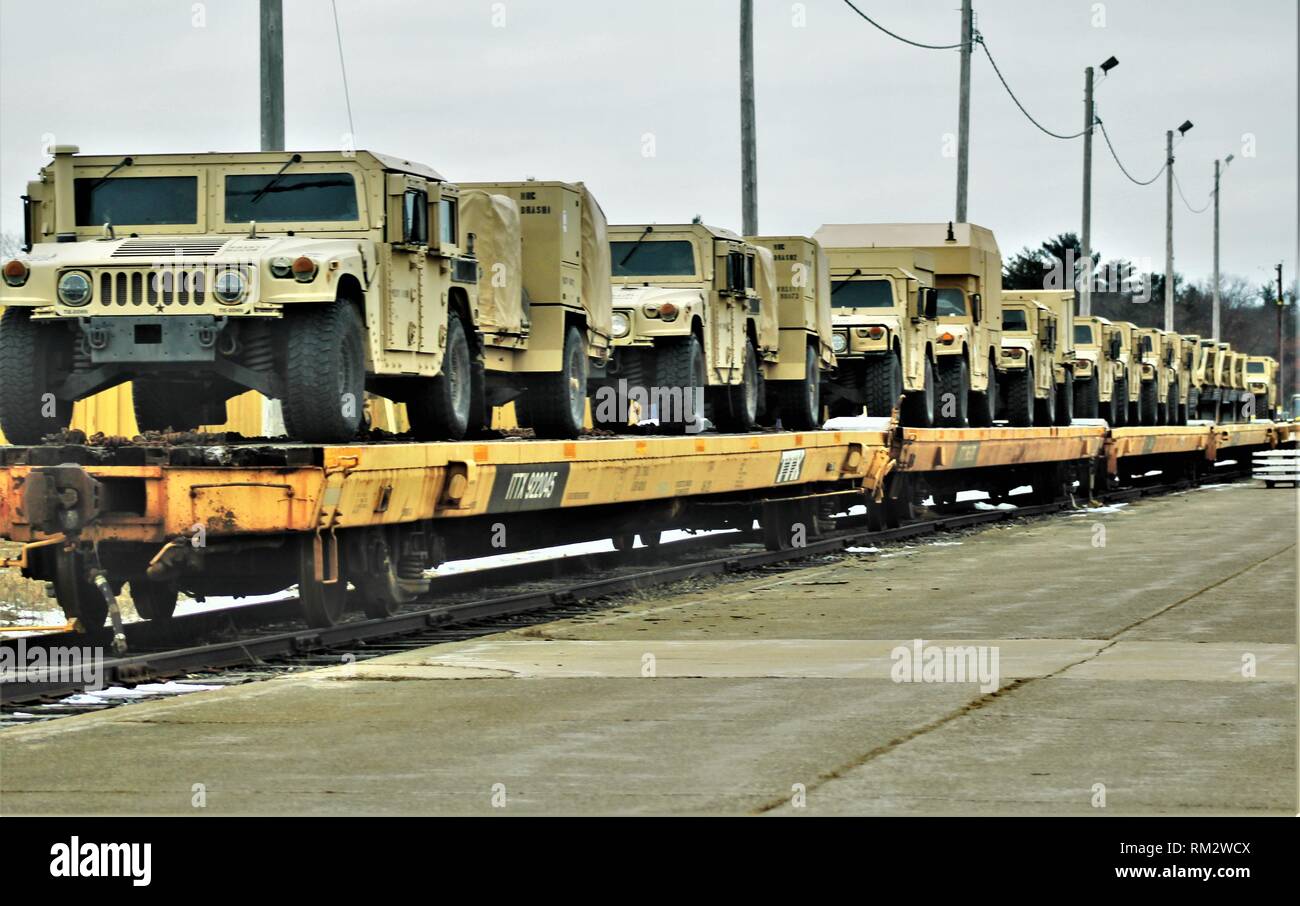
(968, 282)
(884, 311)
(1159, 377)
(1055, 320)
(690, 327)
(1027, 382)
(804, 355)
(1096, 369)
(1189, 383)
(1243, 401)
(1261, 379)
(1129, 356)
(1207, 376)
(309, 277)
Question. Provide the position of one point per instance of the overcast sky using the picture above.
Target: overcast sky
(639, 98)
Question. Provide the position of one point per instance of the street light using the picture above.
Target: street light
(1169, 222)
(1182, 130)
(1214, 295)
(1085, 234)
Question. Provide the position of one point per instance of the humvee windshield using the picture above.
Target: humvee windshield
(952, 302)
(136, 200)
(671, 258)
(1013, 319)
(1082, 334)
(1255, 367)
(862, 294)
(291, 198)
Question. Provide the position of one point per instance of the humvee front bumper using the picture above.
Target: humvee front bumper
(154, 340)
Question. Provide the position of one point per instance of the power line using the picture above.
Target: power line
(1012, 94)
(1140, 182)
(898, 37)
(1179, 186)
(347, 97)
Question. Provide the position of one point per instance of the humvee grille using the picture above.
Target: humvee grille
(179, 286)
(150, 248)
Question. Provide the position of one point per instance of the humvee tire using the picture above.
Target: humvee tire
(883, 384)
(324, 342)
(799, 403)
(153, 600)
(1193, 404)
(1086, 402)
(29, 358)
(918, 406)
(984, 406)
(735, 407)
(1045, 409)
(1018, 394)
(556, 402)
(1148, 404)
(954, 394)
(1171, 405)
(440, 409)
(1065, 401)
(1117, 409)
(679, 364)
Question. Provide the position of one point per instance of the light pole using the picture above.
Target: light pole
(963, 110)
(1169, 222)
(1214, 311)
(748, 131)
(1085, 235)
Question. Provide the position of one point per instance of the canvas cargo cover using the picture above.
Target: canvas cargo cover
(498, 242)
(769, 318)
(823, 292)
(597, 295)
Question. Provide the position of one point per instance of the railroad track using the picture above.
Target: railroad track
(261, 641)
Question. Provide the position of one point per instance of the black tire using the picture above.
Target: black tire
(325, 373)
(1148, 403)
(379, 585)
(918, 406)
(954, 394)
(736, 407)
(1086, 402)
(984, 406)
(1193, 404)
(441, 411)
(1045, 409)
(680, 376)
(1117, 408)
(557, 402)
(799, 403)
(1018, 397)
(153, 600)
(1171, 405)
(883, 384)
(1065, 400)
(33, 357)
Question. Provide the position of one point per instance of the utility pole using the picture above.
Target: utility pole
(1169, 230)
(1214, 312)
(272, 74)
(1281, 346)
(748, 136)
(1085, 289)
(963, 112)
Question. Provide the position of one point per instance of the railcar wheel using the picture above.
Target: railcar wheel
(153, 600)
(76, 594)
(323, 603)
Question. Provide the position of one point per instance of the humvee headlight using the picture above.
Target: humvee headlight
(16, 272)
(839, 343)
(304, 269)
(74, 288)
(620, 325)
(229, 287)
(282, 267)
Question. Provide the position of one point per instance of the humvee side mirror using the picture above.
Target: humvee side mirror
(927, 305)
(975, 312)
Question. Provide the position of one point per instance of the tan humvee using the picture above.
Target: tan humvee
(884, 312)
(309, 277)
(968, 282)
(1237, 382)
(1261, 378)
(804, 357)
(1159, 391)
(1026, 384)
(691, 330)
(1052, 329)
(1130, 356)
(1190, 365)
(1095, 368)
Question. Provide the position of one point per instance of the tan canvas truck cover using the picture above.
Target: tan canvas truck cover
(498, 238)
(597, 295)
(769, 293)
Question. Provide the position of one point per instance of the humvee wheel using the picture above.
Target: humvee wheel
(1086, 401)
(680, 368)
(1045, 409)
(1065, 400)
(984, 406)
(800, 402)
(1117, 407)
(954, 394)
(1149, 405)
(31, 358)
(918, 406)
(884, 384)
(440, 409)
(153, 600)
(557, 403)
(1019, 397)
(736, 407)
(325, 374)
